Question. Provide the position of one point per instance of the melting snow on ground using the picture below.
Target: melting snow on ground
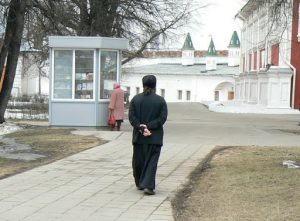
(7, 128)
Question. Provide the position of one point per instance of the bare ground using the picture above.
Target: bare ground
(242, 183)
(53, 144)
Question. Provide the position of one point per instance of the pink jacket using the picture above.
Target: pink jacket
(117, 104)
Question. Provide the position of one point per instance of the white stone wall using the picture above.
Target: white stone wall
(188, 57)
(270, 88)
(211, 63)
(27, 77)
(17, 86)
(200, 87)
(233, 57)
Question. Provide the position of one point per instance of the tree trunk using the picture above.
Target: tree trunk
(11, 49)
(103, 16)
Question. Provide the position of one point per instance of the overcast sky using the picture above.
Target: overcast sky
(216, 20)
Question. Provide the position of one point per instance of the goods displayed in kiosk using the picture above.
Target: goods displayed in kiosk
(84, 85)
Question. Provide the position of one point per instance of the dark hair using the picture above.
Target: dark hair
(149, 81)
(149, 84)
(148, 90)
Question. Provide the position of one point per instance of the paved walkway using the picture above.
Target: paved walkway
(97, 184)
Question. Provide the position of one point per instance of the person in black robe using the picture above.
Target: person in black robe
(147, 114)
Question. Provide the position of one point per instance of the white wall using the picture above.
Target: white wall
(201, 87)
(270, 89)
(187, 57)
(17, 86)
(149, 61)
(233, 57)
(26, 79)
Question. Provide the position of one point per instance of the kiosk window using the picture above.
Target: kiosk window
(108, 73)
(84, 74)
(62, 82)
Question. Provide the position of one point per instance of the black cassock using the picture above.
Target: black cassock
(152, 111)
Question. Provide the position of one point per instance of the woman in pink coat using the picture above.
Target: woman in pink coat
(116, 105)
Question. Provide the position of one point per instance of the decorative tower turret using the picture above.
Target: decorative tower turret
(211, 58)
(188, 51)
(234, 50)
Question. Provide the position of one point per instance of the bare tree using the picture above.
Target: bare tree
(10, 50)
(140, 21)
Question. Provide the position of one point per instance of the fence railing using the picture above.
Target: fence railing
(26, 110)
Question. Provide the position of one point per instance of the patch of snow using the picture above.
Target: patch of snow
(290, 164)
(7, 128)
(238, 107)
(17, 115)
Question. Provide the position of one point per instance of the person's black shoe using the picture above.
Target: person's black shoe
(140, 188)
(148, 191)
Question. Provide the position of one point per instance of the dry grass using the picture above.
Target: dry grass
(54, 144)
(243, 183)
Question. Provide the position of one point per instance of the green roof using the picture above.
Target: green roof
(188, 44)
(211, 49)
(235, 41)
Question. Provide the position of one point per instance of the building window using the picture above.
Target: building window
(179, 94)
(137, 90)
(162, 92)
(262, 28)
(275, 54)
(108, 73)
(217, 95)
(255, 61)
(188, 95)
(262, 58)
(250, 62)
(230, 95)
(126, 95)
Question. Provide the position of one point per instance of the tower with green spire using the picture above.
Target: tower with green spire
(211, 57)
(211, 49)
(188, 57)
(234, 41)
(234, 50)
(188, 44)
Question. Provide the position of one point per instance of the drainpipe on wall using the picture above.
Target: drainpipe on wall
(294, 81)
(292, 67)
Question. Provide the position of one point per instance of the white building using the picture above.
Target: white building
(268, 77)
(30, 78)
(179, 82)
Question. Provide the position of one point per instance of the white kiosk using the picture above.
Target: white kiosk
(82, 73)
